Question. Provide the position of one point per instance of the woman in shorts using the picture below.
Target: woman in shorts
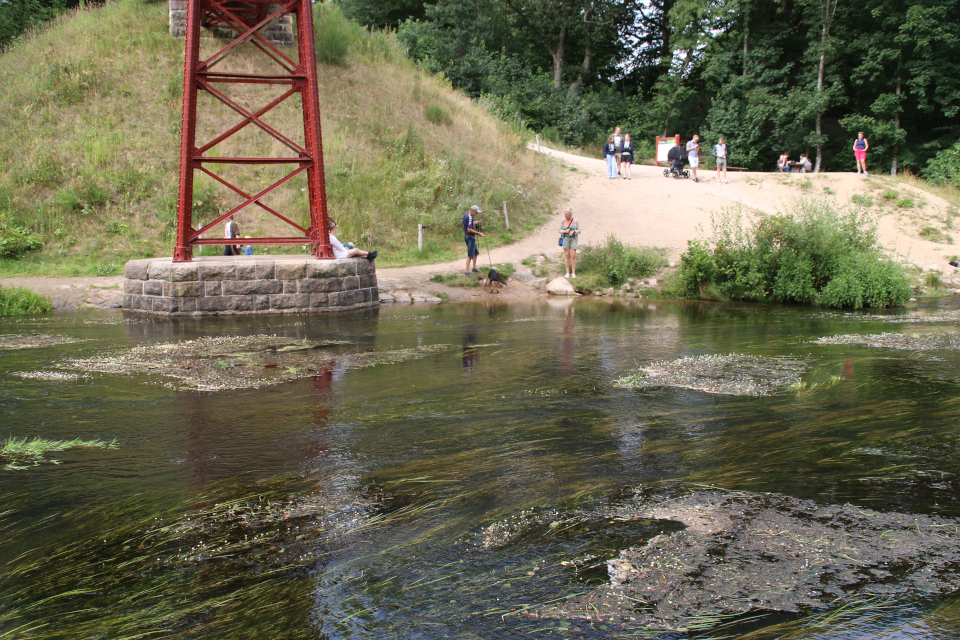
(860, 146)
(626, 156)
(569, 230)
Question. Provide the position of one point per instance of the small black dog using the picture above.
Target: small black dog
(493, 281)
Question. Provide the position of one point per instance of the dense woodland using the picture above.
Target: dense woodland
(769, 75)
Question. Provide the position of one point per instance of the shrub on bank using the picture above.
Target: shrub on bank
(16, 240)
(610, 264)
(812, 255)
(17, 301)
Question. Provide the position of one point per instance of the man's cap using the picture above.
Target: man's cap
(475, 208)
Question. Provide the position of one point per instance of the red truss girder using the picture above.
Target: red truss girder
(247, 19)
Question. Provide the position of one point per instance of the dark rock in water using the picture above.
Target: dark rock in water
(745, 552)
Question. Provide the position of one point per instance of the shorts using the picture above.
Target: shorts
(721, 163)
(570, 242)
(694, 161)
(472, 251)
(628, 158)
(860, 154)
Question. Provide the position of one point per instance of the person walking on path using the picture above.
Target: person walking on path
(618, 147)
(860, 146)
(231, 231)
(627, 155)
(340, 251)
(693, 155)
(569, 230)
(470, 234)
(610, 154)
(720, 150)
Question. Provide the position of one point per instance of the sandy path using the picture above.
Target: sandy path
(656, 211)
(647, 210)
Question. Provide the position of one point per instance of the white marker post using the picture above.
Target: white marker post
(506, 219)
(420, 238)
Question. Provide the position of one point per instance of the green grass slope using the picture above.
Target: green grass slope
(89, 146)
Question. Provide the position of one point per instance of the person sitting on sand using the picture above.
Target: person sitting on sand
(340, 252)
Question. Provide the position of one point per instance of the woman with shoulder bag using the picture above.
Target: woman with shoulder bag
(569, 230)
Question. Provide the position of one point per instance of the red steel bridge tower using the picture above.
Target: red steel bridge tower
(206, 84)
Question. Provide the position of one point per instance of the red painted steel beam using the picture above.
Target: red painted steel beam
(247, 19)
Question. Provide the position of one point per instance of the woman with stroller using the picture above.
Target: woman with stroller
(626, 155)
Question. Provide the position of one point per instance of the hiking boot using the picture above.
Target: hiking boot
(372, 255)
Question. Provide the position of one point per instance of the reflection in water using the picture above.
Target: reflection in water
(539, 429)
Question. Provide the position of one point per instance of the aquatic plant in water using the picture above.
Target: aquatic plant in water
(242, 362)
(24, 341)
(727, 374)
(743, 552)
(23, 453)
(899, 341)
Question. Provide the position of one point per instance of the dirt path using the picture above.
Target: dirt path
(647, 210)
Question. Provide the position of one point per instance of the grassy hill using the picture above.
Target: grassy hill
(89, 146)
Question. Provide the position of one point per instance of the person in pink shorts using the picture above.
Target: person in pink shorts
(860, 146)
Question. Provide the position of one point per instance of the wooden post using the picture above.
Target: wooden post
(506, 219)
(420, 238)
(538, 143)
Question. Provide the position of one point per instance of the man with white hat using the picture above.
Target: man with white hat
(470, 234)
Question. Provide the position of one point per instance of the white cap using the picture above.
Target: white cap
(475, 208)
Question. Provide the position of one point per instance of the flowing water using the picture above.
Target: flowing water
(358, 501)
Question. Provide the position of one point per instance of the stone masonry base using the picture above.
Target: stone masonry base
(212, 285)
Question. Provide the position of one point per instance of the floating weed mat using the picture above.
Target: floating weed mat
(238, 564)
(25, 341)
(725, 374)
(743, 553)
(23, 453)
(898, 341)
(49, 376)
(240, 362)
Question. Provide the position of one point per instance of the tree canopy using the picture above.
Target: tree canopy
(802, 76)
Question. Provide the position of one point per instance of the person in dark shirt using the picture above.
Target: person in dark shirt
(470, 234)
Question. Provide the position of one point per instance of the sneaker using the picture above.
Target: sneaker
(573, 275)
(475, 270)
(372, 255)
(468, 274)
(696, 180)
(866, 173)
(566, 275)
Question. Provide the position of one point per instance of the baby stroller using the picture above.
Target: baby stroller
(677, 157)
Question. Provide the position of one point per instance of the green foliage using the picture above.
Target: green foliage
(16, 240)
(813, 255)
(18, 301)
(334, 33)
(22, 453)
(944, 168)
(436, 114)
(861, 200)
(935, 235)
(614, 261)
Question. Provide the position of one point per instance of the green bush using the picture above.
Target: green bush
(333, 34)
(813, 255)
(437, 114)
(614, 262)
(16, 301)
(944, 168)
(16, 240)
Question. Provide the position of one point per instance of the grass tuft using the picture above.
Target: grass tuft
(23, 453)
(17, 301)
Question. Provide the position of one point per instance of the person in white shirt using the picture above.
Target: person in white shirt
(693, 155)
(340, 252)
(618, 147)
(231, 231)
(720, 150)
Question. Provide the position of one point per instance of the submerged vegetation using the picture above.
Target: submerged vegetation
(724, 374)
(17, 300)
(23, 453)
(812, 254)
